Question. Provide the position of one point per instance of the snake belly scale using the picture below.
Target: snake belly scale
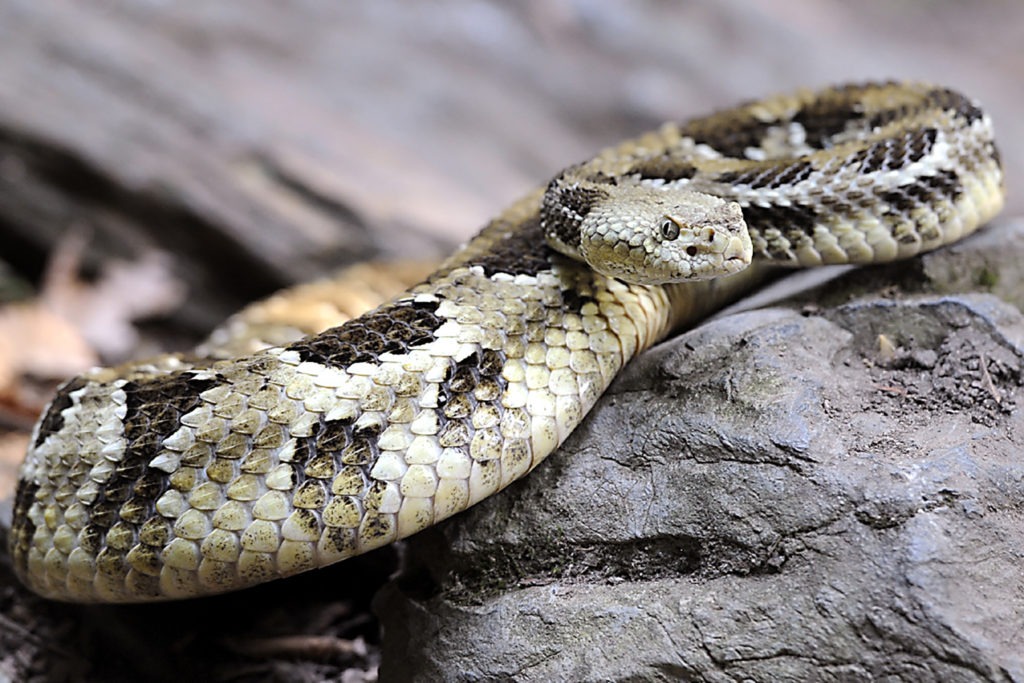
(195, 474)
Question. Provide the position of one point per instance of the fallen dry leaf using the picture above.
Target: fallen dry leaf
(37, 342)
(72, 325)
(12, 450)
(104, 311)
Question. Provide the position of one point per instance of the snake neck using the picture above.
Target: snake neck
(567, 202)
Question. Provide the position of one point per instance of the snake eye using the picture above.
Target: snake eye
(669, 229)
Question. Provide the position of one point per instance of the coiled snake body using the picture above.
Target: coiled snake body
(190, 475)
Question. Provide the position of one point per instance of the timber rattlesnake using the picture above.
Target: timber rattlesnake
(189, 475)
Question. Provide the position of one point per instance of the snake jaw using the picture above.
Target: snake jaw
(738, 253)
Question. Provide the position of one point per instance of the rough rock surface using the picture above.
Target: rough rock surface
(828, 491)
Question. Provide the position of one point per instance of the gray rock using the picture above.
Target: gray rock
(829, 492)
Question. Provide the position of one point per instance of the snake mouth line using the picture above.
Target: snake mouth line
(735, 264)
(737, 254)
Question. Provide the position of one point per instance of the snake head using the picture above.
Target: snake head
(652, 236)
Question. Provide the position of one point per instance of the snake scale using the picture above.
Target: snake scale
(195, 474)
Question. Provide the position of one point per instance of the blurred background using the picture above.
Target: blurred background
(263, 142)
(163, 163)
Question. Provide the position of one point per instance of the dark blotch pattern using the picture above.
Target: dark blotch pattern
(154, 410)
(824, 120)
(954, 101)
(126, 500)
(663, 167)
(22, 528)
(390, 329)
(565, 205)
(927, 190)
(520, 251)
(873, 158)
(334, 444)
(574, 301)
(919, 143)
(53, 421)
(468, 375)
(332, 436)
(942, 98)
(491, 362)
(786, 219)
(729, 137)
(892, 153)
(769, 175)
(337, 444)
(792, 174)
(731, 132)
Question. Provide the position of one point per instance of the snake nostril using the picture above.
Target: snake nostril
(711, 235)
(691, 251)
